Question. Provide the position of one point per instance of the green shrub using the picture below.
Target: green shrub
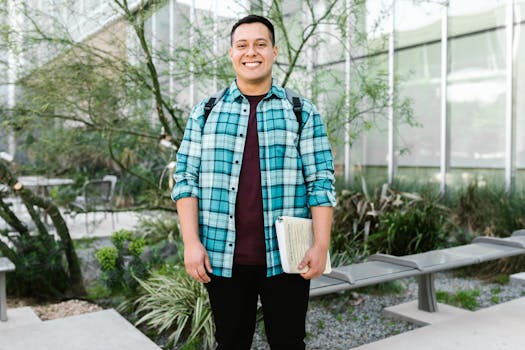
(489, 211)
(178, 306)
(415, 229)
(365, 224)
(159, 228)
(40, 269)
(121, 263)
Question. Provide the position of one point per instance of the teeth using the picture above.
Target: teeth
(251, 64)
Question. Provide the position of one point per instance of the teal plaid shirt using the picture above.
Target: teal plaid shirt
(296, 172)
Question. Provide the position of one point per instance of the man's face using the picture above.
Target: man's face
(252, 54)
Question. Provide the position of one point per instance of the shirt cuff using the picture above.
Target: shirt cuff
(321, 199)
(184, 191)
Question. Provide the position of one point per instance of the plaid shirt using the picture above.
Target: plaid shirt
(296, 172)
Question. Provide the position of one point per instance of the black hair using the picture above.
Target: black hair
(254, 19)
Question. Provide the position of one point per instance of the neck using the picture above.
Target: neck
(254, 89)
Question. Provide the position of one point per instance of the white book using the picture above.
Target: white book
(295, 236)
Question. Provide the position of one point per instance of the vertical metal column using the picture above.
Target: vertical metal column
(426, 294)
(347, 166)
(192, 42)
(391, 157)
(510, 120)
(11, 72)
(215, 45)
(171, 63)
(445, 124)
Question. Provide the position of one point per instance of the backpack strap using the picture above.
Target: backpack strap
(293, 97)
(212, 101)
(297, 102)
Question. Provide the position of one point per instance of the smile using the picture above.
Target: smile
(251, 64)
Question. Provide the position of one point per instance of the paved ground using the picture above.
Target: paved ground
(500, 327)
(103, 330)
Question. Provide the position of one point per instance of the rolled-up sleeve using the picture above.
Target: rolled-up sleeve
(318, 162)
(189, 159)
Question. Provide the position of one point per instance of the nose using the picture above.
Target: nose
(251, 50)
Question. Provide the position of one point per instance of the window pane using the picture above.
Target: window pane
(369, 151)
(418, 69)
(476, 89)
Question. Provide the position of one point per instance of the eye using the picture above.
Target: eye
(261, 44)
(240, 46)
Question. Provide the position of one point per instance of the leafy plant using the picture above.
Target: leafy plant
(415, 229)
(357, 217)
(159, 228)
(39, 267)
(466, 299)
(121, 263)
(177, 305)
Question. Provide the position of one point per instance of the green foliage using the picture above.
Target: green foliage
(122, 263)
(357, 217)
(176, 305)
(97, 291)
(40, 270)
(466, 299)
(107, 258)
(489, 211)
(159, 228)
(416, 229)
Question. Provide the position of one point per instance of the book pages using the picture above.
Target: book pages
(295, 236)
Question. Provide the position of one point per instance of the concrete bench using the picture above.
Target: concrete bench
(384, 268)
(5, 266)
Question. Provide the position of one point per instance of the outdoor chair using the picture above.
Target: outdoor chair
(97, 196)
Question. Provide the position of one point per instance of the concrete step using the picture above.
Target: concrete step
(19, 317)
(102, 330)
(499, 327)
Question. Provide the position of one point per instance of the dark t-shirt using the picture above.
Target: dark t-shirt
(249, 222)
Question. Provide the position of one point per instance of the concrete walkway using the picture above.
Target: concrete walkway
(103, 330)
(500, 327)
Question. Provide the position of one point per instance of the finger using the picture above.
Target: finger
(207, 263)
(305, 262)
(203, 277)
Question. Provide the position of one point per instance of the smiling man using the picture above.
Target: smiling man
(240, 168)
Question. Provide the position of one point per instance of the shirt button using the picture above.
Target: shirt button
(244, 110)
(240, 135)
(231, 216)
(233, 188)
(229, 244)
(236, 162)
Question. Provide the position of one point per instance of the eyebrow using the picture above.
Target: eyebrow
(243, 40)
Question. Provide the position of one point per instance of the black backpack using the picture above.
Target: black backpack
(292, 96)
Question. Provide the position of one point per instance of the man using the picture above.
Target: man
(237, 172)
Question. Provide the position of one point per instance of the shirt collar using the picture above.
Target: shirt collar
(275, 91)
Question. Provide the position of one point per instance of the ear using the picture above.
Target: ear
(275, 52)
(230, 52)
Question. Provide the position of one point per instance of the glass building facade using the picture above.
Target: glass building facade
(460, 63)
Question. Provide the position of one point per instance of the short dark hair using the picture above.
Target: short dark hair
(254, 19)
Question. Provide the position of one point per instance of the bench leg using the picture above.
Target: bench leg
(3, 298)
(427, 293)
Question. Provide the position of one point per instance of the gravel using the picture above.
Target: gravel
(350, 319)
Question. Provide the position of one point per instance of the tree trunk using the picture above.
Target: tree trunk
(30, 199)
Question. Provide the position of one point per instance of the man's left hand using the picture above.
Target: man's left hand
(315, 260)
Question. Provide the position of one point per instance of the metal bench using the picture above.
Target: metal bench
(383, 268)
(5, 266)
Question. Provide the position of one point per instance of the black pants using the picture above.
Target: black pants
(284, 301)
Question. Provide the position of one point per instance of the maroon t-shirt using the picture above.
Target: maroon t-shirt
(250, 247)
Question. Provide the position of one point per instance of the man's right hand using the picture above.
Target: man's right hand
(197, 262)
